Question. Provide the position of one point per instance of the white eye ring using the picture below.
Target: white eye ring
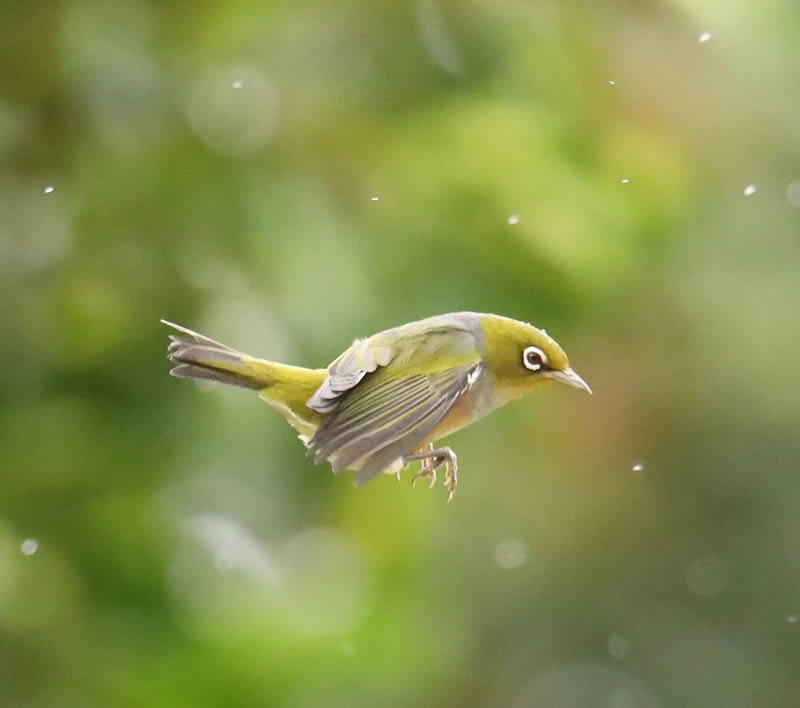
(534, 358)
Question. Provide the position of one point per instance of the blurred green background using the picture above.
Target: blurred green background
(286, 176)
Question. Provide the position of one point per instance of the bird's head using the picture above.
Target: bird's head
(521, 357)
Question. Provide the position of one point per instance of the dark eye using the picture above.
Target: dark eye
(534, 358)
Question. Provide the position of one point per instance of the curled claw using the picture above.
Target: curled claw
(451, 474)
(426, 471)
(451, 487)
(432, 459)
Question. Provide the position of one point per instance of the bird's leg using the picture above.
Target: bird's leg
(428, 469)
(432, 459)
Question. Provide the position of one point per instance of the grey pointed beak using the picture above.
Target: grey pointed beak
(569, 377)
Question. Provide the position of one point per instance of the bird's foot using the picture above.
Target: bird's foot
(428, 470)
(432, 459)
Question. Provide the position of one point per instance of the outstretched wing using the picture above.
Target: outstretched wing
(390, 411)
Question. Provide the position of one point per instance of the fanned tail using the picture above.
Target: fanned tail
(286, 388)
(199, 357)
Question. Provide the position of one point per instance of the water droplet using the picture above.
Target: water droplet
(793, 619)
(513, 219)
(612, 83)
(237, 84)
(375, 198)
(49, 189)
(618, 646)
(704, 37)
(749, 190)
(707, 576)
(510, 553)
(29, 546)
(638, 468)
(625, 181)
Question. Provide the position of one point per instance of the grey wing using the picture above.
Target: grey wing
(462, 331)
(388, 416)
(362, 358)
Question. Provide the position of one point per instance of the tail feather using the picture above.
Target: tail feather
(195, 336)
(199, 357)
(189, 371)
(286, 388)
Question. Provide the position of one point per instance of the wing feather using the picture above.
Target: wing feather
(347, 430)
(362, 358)
(369, 421)
(386, 417)
(423, 341)
(399, 446)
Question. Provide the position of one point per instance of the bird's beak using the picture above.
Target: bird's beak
(569, 377)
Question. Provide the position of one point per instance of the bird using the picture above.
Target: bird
(386, 401)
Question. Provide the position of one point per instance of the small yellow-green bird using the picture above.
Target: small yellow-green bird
(387, 399)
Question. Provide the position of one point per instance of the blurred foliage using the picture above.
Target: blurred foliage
(286, 176)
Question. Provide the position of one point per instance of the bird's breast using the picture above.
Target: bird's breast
(471, 406)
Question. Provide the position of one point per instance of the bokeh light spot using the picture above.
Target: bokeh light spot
(510, 553)
(793, 193)
(234, 125)
(618, 646)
